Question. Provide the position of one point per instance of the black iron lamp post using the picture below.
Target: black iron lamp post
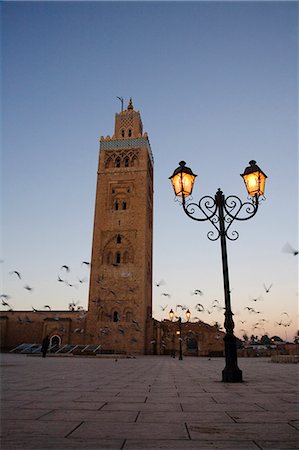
(221, 211)
(171, 316)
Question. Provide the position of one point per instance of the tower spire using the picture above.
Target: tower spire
(130, 105)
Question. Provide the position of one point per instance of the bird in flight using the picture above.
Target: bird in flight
(16, 273)
(82, 280)
(215, 304)
(48, 307)
(267, 289)
(183, 307)
(60, 279)
(28, 288)
(287, 248)
(86, 263)
(199, 307)
(163, 307)
(197, 292)
(165, 294)
(65, 267)
(159, 283)
(4, 303)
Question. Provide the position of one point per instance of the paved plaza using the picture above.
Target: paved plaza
(151, 402)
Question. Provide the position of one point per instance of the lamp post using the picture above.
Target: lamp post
(171, 316)
(221, 212)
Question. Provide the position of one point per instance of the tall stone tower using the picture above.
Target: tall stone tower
(120, 294)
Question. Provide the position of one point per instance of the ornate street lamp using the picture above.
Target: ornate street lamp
(179, 333)
(188, 315)
(221, 211)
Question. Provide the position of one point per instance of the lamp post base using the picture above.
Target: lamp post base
(231, 373)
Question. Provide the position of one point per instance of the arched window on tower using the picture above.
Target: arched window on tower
(117, 258)
(134, 161)
(124, 205)
(115, 317)
(123, 133)
(117, 162)
(116, 205)
(118, 239)
(127, 161)
(109, 163)
(128, 316)
(130, 132)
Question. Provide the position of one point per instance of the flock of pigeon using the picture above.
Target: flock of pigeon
(72, 306)
(215, 305)
(284, 320)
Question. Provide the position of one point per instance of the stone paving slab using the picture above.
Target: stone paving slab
(121, 406)
(29, 428)
(88, 415)
(144, 431)
(265, 416)
(278, 445)
(182, 417)
(235, 431)
(229, 407)
(39, 443)
(146, 403)
(133, 444)
(49, 404)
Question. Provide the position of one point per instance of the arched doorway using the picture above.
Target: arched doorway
(55, 342)
(192, 346)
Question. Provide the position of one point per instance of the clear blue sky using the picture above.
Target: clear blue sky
(216, 85)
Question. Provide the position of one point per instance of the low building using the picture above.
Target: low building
(69, 328)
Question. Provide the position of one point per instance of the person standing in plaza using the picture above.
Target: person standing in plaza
(45, 345)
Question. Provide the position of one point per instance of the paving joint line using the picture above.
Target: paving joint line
(106, 403)
(258, 446)
(45, 414)
(293, 426)
(67, 435)
(136, 418)
(231, 417)
(185, 423)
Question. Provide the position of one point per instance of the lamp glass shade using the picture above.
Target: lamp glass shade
(254, 179)
(182, 180)
(188, 314)
(171, 314)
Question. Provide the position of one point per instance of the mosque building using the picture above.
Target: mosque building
(119, 315)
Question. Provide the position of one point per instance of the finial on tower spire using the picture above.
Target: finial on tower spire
(130, 105)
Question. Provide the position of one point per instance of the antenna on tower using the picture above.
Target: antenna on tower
(122, 103)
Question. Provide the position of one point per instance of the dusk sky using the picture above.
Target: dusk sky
(216, 84)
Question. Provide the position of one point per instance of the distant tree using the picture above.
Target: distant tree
(265, 340)
(245, 337)
(276, 339)
(239, 343)
(253, 339)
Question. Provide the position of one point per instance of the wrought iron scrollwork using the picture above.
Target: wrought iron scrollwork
(215, 209)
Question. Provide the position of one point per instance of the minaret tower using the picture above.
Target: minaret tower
(120, 294)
